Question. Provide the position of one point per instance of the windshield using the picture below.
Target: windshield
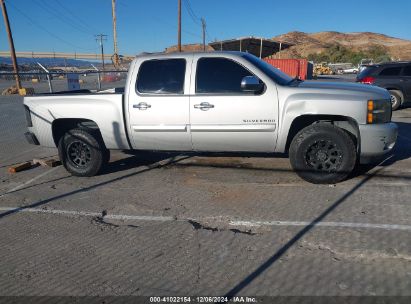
(272, 72)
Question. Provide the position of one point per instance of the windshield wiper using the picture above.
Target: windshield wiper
(296, 79)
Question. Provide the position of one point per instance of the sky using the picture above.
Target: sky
(151, 25)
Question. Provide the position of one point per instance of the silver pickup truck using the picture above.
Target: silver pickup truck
(218, 101)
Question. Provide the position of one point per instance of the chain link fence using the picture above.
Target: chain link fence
(54, 82)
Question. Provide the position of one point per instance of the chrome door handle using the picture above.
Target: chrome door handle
(204, 106)
(142, 106)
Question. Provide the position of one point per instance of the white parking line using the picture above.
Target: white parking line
(90, 214)
(22, 185)
(231, 222)
(321, 224)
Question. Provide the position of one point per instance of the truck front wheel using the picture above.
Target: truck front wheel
(323, 154)
(82, 152)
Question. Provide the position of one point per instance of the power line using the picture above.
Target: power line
(123, 4)
(195, 18)
(191, 13)
(85, 24)
(62, 18)
(46, 30)
(174, 26)
(162, 21)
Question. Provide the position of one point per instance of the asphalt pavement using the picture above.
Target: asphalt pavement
(158, 224)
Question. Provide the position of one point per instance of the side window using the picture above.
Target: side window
(407, 71)
(393, 71)
(164, 76)
(219, 75)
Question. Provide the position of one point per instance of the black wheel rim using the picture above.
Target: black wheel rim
(324, 155)
(79, 154)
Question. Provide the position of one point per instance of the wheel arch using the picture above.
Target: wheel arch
(62, 125)
(348, 124)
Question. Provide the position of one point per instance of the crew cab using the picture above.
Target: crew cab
(219, 102)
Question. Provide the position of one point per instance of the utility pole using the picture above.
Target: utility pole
(179, 27)
(11, 43)
(116, 59)
(279, 51)
(204, 25)
(100, 38)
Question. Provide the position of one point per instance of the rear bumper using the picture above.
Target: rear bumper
(377, 141)
(31, 138)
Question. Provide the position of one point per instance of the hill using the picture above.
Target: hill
(196, 47)
(317, 43)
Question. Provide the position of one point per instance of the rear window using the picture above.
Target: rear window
(366, 71)
(164, 76)
(392, 71)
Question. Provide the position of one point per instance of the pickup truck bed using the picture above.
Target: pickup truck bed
(105, 109)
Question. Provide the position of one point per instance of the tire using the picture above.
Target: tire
(323, 154)
(396, 99)
(82, 152)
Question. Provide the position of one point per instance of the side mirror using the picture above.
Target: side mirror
(251, 84)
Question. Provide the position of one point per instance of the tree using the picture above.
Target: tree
(337, 53)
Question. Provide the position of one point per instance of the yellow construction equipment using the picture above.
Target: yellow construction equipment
(322, 69)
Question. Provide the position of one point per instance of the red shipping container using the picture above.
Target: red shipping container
(293, 67)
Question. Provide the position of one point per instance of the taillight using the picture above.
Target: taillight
(367, 80)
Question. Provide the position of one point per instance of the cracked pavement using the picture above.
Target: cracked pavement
(170, 224)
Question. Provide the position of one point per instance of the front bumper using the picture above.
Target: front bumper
(377, 140)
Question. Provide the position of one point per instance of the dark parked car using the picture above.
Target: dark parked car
(393, 76)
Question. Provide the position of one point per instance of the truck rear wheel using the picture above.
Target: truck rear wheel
(82, 152)
(323, 154)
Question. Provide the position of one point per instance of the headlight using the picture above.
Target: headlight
(378, 111)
